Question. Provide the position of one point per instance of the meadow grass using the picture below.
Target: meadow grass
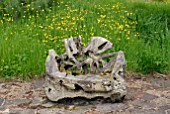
(153, 26)
(141, 30)
(20, 54)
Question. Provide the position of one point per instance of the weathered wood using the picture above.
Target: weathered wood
(107, 55)
(97, 45)
(73, 47)
(119, 64)
(83, 72)
(51, 65)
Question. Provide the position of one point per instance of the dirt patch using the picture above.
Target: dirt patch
(147, 94)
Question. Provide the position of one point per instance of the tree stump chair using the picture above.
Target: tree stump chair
(85, 71)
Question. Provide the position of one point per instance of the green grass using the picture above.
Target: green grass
(140, 29)
(20, 54)
(153, 26)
